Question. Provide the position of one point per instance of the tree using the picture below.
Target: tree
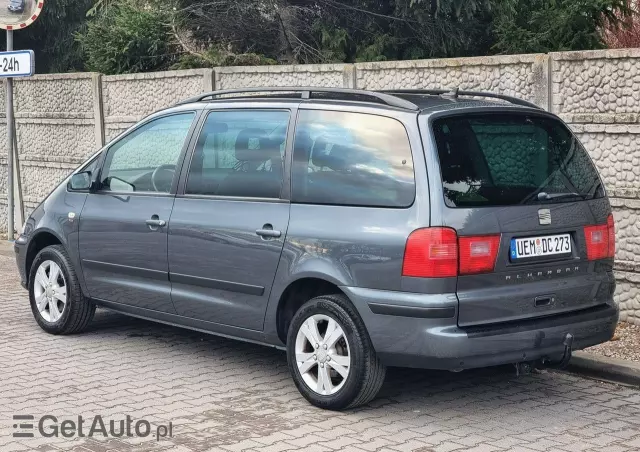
(117, 36)
(277, 29)
(411, 29)
(128, 37)
(314, 31)
(531, 26)
(627, 33)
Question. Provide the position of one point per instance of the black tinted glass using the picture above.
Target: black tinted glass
(498, 160)
(240, 153)
(351, 159)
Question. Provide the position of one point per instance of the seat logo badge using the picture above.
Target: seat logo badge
(71, 216)
(544, 216)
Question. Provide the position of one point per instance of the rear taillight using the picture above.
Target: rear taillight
(600, 240)
(478, 254)
(439, 253)
(431, 253)
(611, 228)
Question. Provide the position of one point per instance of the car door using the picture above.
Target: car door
(227, 228)
(123, 225)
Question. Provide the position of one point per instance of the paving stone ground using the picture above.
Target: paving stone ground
(224, 395)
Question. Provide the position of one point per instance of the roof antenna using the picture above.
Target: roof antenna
(453, 93)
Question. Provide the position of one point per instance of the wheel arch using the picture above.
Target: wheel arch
(40, 240)
(296, 293)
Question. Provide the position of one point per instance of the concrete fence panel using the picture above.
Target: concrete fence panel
(55, 127)
(129, 98)
(524, 76)
(329, 75)
(598, 94)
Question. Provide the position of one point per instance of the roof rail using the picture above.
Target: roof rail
(306, 93)
(455, 93)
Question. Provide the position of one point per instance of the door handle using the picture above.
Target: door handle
(156, 222)
(544, 300)
(267, 231)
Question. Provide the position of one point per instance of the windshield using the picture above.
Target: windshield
(501, 160)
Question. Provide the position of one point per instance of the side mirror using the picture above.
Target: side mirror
(80, 181)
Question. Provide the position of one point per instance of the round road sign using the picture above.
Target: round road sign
(18, 14)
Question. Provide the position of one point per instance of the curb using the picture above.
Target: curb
(611, 369)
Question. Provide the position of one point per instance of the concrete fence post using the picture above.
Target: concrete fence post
(209, 80)
(349, 76)
(541, 69)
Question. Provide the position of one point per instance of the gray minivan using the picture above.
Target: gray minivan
(353, 229)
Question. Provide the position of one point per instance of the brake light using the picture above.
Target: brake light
(431, 253)
(439, 253)
(611, 228)
(601, 240)
(478, 254)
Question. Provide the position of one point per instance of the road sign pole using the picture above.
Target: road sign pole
(10, 129)
(18, 184)
(15, 64)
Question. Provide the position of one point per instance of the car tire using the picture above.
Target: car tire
(365, 373)
(51, 276)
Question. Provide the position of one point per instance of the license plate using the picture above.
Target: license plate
(540, 246)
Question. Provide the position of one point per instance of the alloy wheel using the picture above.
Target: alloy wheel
(322, 354)
(50, 291)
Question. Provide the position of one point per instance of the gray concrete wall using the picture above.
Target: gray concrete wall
(62, 119)
(56, 127)
(127, 98)
(598, 94)
(524, 76)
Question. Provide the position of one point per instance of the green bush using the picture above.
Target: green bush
(127, 38)
(215, 57)
(540, 26)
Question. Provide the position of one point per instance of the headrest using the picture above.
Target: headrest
(330, 155)
(215, 127)
(271, 147)
(248, 145)
(456, 162)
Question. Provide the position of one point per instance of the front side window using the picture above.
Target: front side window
(146, 159)
(240, 153)
(351, 159)
(502, 160)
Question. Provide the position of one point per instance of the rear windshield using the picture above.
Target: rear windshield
(502, 160)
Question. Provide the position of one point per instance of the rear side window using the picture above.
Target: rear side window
(501, 160)
(240, 153)
(351, 159)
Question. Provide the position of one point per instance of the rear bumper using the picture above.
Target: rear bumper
(436, 342)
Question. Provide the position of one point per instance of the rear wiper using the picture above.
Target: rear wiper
(543, 196)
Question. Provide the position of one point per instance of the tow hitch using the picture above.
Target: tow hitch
(566, 357)
(526, 367)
